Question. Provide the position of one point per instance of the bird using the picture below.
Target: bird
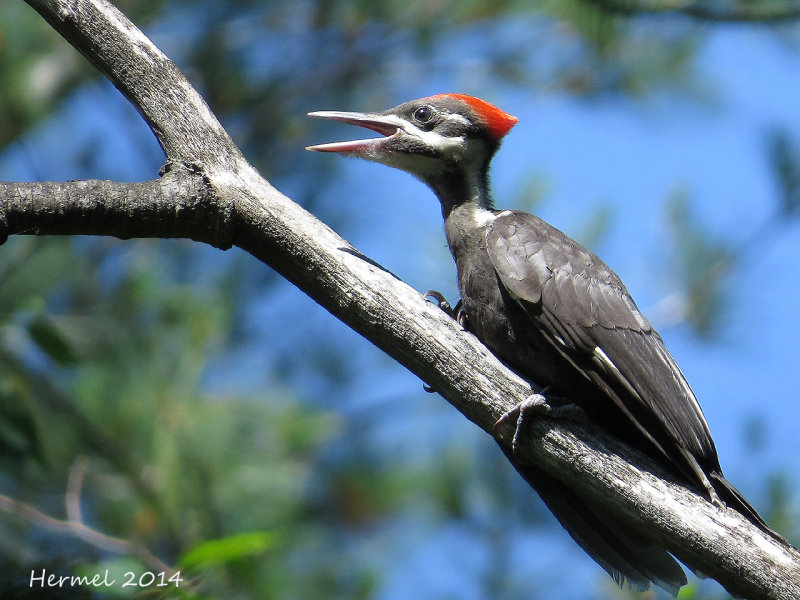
(557, 315)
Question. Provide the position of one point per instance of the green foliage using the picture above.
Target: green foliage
(46, 334)
(703, 263)
(228, 549)
(19, 433)
(176, 468)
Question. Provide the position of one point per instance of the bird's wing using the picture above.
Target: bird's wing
(585, 313)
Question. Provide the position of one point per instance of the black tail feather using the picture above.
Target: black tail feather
(615, 546)
(734, 499)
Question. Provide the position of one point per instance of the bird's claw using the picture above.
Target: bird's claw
(461, 316)
(456, 312)
(441, 302)
(536, 404)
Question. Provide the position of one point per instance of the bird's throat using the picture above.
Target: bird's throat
(462, 189)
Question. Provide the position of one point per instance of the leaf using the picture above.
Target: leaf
(52, 341)
(19, 434)
(228, 549)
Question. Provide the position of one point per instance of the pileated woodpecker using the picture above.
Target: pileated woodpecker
(557, 315)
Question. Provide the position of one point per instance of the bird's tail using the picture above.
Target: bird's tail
(734, 499)
(625, 555)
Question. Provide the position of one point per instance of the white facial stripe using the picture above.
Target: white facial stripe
(461, 119)
(442, 143)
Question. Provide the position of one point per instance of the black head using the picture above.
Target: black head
(446, 140)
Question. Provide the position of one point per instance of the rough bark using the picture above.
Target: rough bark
(209, 193)
(179, 205)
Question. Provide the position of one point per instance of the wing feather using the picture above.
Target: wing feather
(585, 312)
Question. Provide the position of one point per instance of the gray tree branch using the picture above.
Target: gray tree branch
(210, 193)
(178, 205)
(732, 11)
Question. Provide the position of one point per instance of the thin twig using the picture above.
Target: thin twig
(72, 497)
(83, 532)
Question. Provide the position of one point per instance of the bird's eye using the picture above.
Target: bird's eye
(423, 115)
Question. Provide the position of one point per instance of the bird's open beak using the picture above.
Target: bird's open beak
(385, 125)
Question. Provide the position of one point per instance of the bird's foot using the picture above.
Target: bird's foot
(537, 405)
(456, 312)
(441, 302)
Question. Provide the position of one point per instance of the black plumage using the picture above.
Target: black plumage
(557, 315)
(585, 316)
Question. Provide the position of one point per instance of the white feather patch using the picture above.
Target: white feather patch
(482, 216)
(599, 353)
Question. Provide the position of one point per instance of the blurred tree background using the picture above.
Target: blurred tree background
(195, 411)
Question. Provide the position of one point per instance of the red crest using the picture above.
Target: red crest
(499, 122)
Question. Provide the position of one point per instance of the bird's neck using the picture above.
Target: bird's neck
(466, 208)
(462, 188)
